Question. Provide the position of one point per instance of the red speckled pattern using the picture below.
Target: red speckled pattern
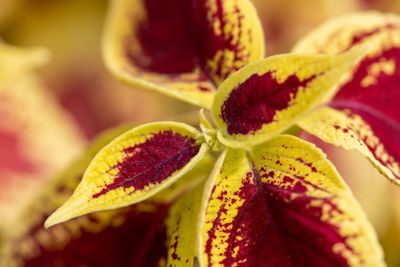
(208, 41)
(250, 224)
(376, 103)
(174, 245)
(255, 102)
(274, 229)
(304, 239)
(153, 161)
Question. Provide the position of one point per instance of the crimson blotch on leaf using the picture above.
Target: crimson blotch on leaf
(282, 204)
(184, 49)
(133, 167)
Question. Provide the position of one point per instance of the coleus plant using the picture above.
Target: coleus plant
(272, 198)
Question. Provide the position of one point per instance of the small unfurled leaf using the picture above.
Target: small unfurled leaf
(181, 228)
(181, 48)
(132, 236)
(284, 204)
(266, 97)
(133, 167)
(367, 103)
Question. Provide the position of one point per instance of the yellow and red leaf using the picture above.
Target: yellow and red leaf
(221, 204)
(366, 104)
(347, 129)
(267, 97)
(181, 48)
(130, 236)
(282, 204)
(181, 232)
(125, 230)
(134, 167)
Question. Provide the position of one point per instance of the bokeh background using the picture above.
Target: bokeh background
(49, 117)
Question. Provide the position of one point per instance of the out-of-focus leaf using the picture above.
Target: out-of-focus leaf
(366, 104)
(76, 73)
(284, 22)
(16, 61)
(283, 204)
(340, 33)
(181, 228)
(133, 167)
(181, 48)
(37, 139)
(127, 234)
(130, 236)
(268, 96)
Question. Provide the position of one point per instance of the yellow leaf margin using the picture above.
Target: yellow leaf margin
(81, 202)
(329, 70)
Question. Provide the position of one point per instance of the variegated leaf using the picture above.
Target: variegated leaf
(78, 242)
(181, 48)
(120, 232)
(348, 129)
(37, 140)
(267, 97)
(130, 236)
(284, 204)
(339, 34)
(367, 103)
(133, 167)
(221, 204)
(181, 232)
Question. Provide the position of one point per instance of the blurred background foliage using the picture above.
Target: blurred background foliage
(48, 117)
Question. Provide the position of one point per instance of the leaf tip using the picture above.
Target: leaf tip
(54, 219)
(64, 213)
